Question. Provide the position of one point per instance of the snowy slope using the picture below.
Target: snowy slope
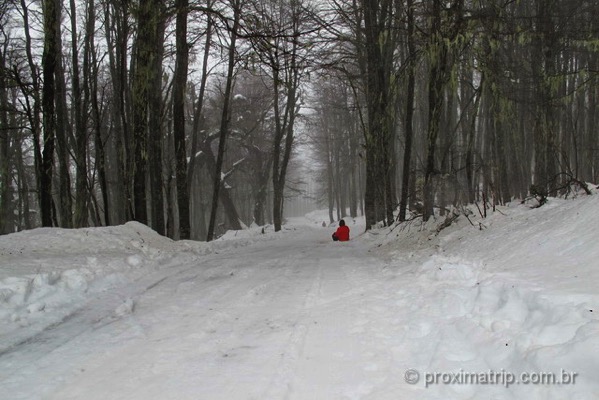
(519, 296)
(122, 313)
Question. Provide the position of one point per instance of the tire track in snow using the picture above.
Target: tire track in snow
(248, 310)
(281, 384)
(98, 312)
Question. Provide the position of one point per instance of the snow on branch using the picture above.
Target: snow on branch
(227, 174)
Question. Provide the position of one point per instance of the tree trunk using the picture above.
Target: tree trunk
(6, 207)
(118, 146)
(405, 181)
(260, 186)
(64, 133)
(25, 221)
(437, 79)
(471, 136)
(179, 86)
(49, 60)
(199, 104)
(197, 207)
(33, 110)
(144, 82)
(225, 121)
(260, 199)
(380, 35)
(80, 153)
(285, 131)
(330, 180)
(155, 121)
(353, 171)
(90, 78)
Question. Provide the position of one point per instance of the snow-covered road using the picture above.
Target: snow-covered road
(275, 320)
(121, 313)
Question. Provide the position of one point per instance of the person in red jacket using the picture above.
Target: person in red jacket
(342, 233)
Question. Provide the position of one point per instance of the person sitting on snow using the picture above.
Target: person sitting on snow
(342, 233)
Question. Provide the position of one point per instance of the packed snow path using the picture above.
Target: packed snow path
(270, 321)
(296, 316)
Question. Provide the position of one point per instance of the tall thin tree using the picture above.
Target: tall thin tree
(179, 86)
(51, 12)
(225, 118)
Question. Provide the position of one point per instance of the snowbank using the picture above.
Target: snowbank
(46, 274)
(514, 292)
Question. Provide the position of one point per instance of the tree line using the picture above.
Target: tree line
(455, 102)
(185, 115)
(174, 114)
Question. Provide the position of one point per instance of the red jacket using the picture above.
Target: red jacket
(342, 233)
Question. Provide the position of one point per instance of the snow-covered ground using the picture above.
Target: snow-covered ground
(473, 312)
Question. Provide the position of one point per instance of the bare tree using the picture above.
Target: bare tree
(225, 118)
(279, 28)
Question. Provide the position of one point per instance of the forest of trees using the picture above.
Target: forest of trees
(187, 115)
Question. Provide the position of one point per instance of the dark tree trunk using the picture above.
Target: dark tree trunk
(6, 207)
(64, 134)
(25, 220)
(90, 74)
(197, 118)
(144, 82)
(119, 172)
(225, 198)
(197, 206)
(380, 44)
(330, 179)
(179, 86)
(405, 181)
(545, 123)
(225, 121)
(81, 100)
(438, 77)
(471, 133)
(354, 167)
(79, 104)
(261, 171)
(284, 131)
(435, 102)
(280, 170)
(155, 121)
(260, 197)
(33, 110)
(49, 60)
